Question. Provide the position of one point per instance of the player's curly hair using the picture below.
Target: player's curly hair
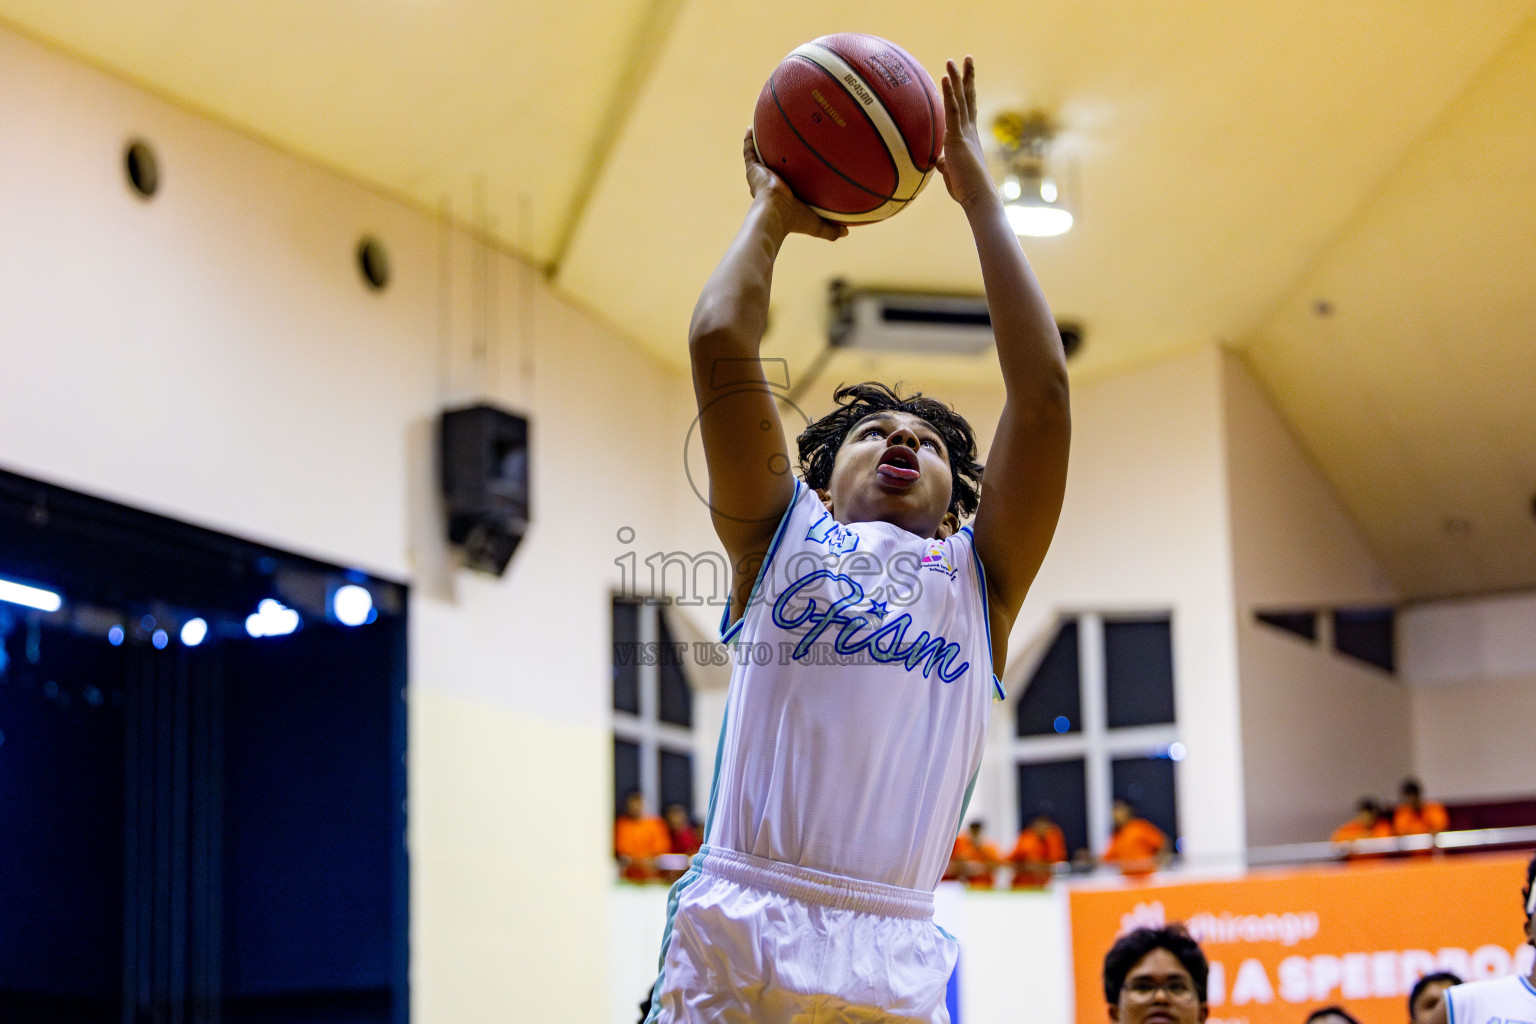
(1129, 949)
(820, 442)
(1530, 889)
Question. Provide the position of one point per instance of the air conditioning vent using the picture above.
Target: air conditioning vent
(895, 321)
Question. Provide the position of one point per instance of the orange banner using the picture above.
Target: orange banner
(1282, 944)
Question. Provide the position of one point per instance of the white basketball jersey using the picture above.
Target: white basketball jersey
(858, 702)
(1508, 1000)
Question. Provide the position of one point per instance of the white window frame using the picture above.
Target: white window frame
(1095, 744)
(646, 729)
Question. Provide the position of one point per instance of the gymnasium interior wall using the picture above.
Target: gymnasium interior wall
(1319, 729)
(1471, 669)
(1144, 530)
(213, 354)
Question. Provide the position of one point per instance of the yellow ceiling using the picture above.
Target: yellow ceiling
(1237, 164)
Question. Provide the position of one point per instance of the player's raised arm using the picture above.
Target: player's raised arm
(749, 479)
(1026, 472)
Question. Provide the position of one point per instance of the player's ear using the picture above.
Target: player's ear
(948, 526)
(1114, 1012)
(826, 498)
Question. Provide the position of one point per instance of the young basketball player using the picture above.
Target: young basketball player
(843, 772)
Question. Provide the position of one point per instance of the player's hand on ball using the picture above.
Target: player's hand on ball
(796, 217)
(963, 162)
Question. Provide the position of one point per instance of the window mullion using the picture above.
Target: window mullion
(650, 686)
(1099, 784)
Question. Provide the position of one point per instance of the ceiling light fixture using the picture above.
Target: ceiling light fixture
(1031, 187)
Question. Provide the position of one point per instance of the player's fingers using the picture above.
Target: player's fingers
(748, 148)
(947, 85)
(970, 86)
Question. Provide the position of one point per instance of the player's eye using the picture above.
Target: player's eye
(931, 443)
(871, 432)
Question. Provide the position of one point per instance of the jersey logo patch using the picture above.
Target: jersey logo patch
(936, 558)
(838, 538)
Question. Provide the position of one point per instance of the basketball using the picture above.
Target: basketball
(852, 124)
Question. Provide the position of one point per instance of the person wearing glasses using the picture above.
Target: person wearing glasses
(1156, 976)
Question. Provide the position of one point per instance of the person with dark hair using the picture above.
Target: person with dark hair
(1427, 995)
(847, 756)
(1156, 974)
(1414, 816)
(638, 839)
(1511, 998)
(975, 858)
(1039, 848)
(1330, 1015)
(1368, 823)
(1136, 845)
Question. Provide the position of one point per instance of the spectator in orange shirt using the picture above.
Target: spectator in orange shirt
(1138, 846)
(638, 839)
(974, 859)
(1039, 846)
(1367, 823)
(1414, 817)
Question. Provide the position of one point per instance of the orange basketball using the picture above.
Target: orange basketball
(852, 124)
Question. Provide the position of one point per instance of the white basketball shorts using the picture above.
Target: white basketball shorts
(753, 941)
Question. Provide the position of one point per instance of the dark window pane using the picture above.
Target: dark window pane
(626, 771)
(676, 698)
(676, 779)
(1147, 782)
(1365, 633)
(1056, 788)
(1303, 624)
(1138, 672)
(626, 657)
(1052, 703)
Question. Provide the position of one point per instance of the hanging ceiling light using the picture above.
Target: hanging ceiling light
(1031, 192)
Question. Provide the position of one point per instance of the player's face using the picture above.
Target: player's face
(1158, 990)
(1428, 1002)
(893, 468)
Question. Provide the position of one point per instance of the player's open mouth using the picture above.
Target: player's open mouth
(898, 465)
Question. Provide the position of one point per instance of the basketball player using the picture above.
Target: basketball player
(1511, 999)
(843, 773)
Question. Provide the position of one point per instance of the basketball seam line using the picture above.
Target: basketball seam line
(895, 140)
(933, 148)
(895, 173)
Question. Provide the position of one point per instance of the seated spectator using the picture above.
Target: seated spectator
(1330, 1015)
(638, 839)
(1156, 974)
(1427, 995)
(1039, 846)
(1414, 817)
(1137, 845)
(1367, 823)
(974, 859)
(685, 835)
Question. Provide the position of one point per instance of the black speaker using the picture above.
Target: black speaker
(483, 456)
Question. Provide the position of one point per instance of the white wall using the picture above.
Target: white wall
(212, 354)
(1471, 666)
(1319, 729)
(1144, 529)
